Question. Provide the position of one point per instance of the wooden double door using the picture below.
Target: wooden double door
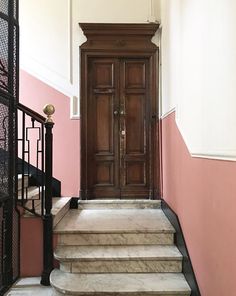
(120, 138)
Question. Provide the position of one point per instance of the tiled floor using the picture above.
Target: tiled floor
(29, 287)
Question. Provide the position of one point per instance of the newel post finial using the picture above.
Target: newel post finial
(49, 110)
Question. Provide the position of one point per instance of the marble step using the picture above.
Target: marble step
(116, 259)
(119, 204)
(60, 207)
(122, 284)
(26, 181)
(31, 193)
(115, 227)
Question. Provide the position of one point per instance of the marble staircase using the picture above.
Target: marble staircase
(108, 248)
(60, 205)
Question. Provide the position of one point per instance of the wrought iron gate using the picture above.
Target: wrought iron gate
(9, 218)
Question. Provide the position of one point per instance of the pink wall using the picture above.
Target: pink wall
(203, 194)
(35, 94)
(31, 247)
(31, 251)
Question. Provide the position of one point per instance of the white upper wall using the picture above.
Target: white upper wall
(45, 38)
(198, 48)
(50, 35)
(115, 11)
(199, 73)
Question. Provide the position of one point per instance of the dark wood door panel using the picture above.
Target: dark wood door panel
(135, 124)
(135, 74)
(135, 173)
(104, 125)
(103, 74)
(119, 121)
(103, 172)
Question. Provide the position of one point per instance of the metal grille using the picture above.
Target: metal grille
(15, 10)
(3, 55)
(4, 6)
(14, 72)
(9, 218)
(1, 248)
(15, 246)
(15, 216)
(4, 157)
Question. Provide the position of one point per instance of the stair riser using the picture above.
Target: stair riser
(131, 205)
(61, 214)
(128, 266)
(57, 293)
(84, 239)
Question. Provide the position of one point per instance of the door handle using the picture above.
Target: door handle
(122, 112)
(122, 133)
(116, 112)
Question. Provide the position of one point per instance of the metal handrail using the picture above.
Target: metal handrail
(41, 203)
(31, 113)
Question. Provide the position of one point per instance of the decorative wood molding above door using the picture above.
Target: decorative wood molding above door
(119, 107)
(128, 37)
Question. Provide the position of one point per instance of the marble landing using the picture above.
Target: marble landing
(29, 287)
(119, 284)
(115, 221)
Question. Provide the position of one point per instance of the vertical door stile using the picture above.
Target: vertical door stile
(117, 129)
(122, 127)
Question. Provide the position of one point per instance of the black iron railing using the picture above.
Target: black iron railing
(35, 143)
(31, 150)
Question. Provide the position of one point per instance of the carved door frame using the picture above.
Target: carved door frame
(119, 41)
